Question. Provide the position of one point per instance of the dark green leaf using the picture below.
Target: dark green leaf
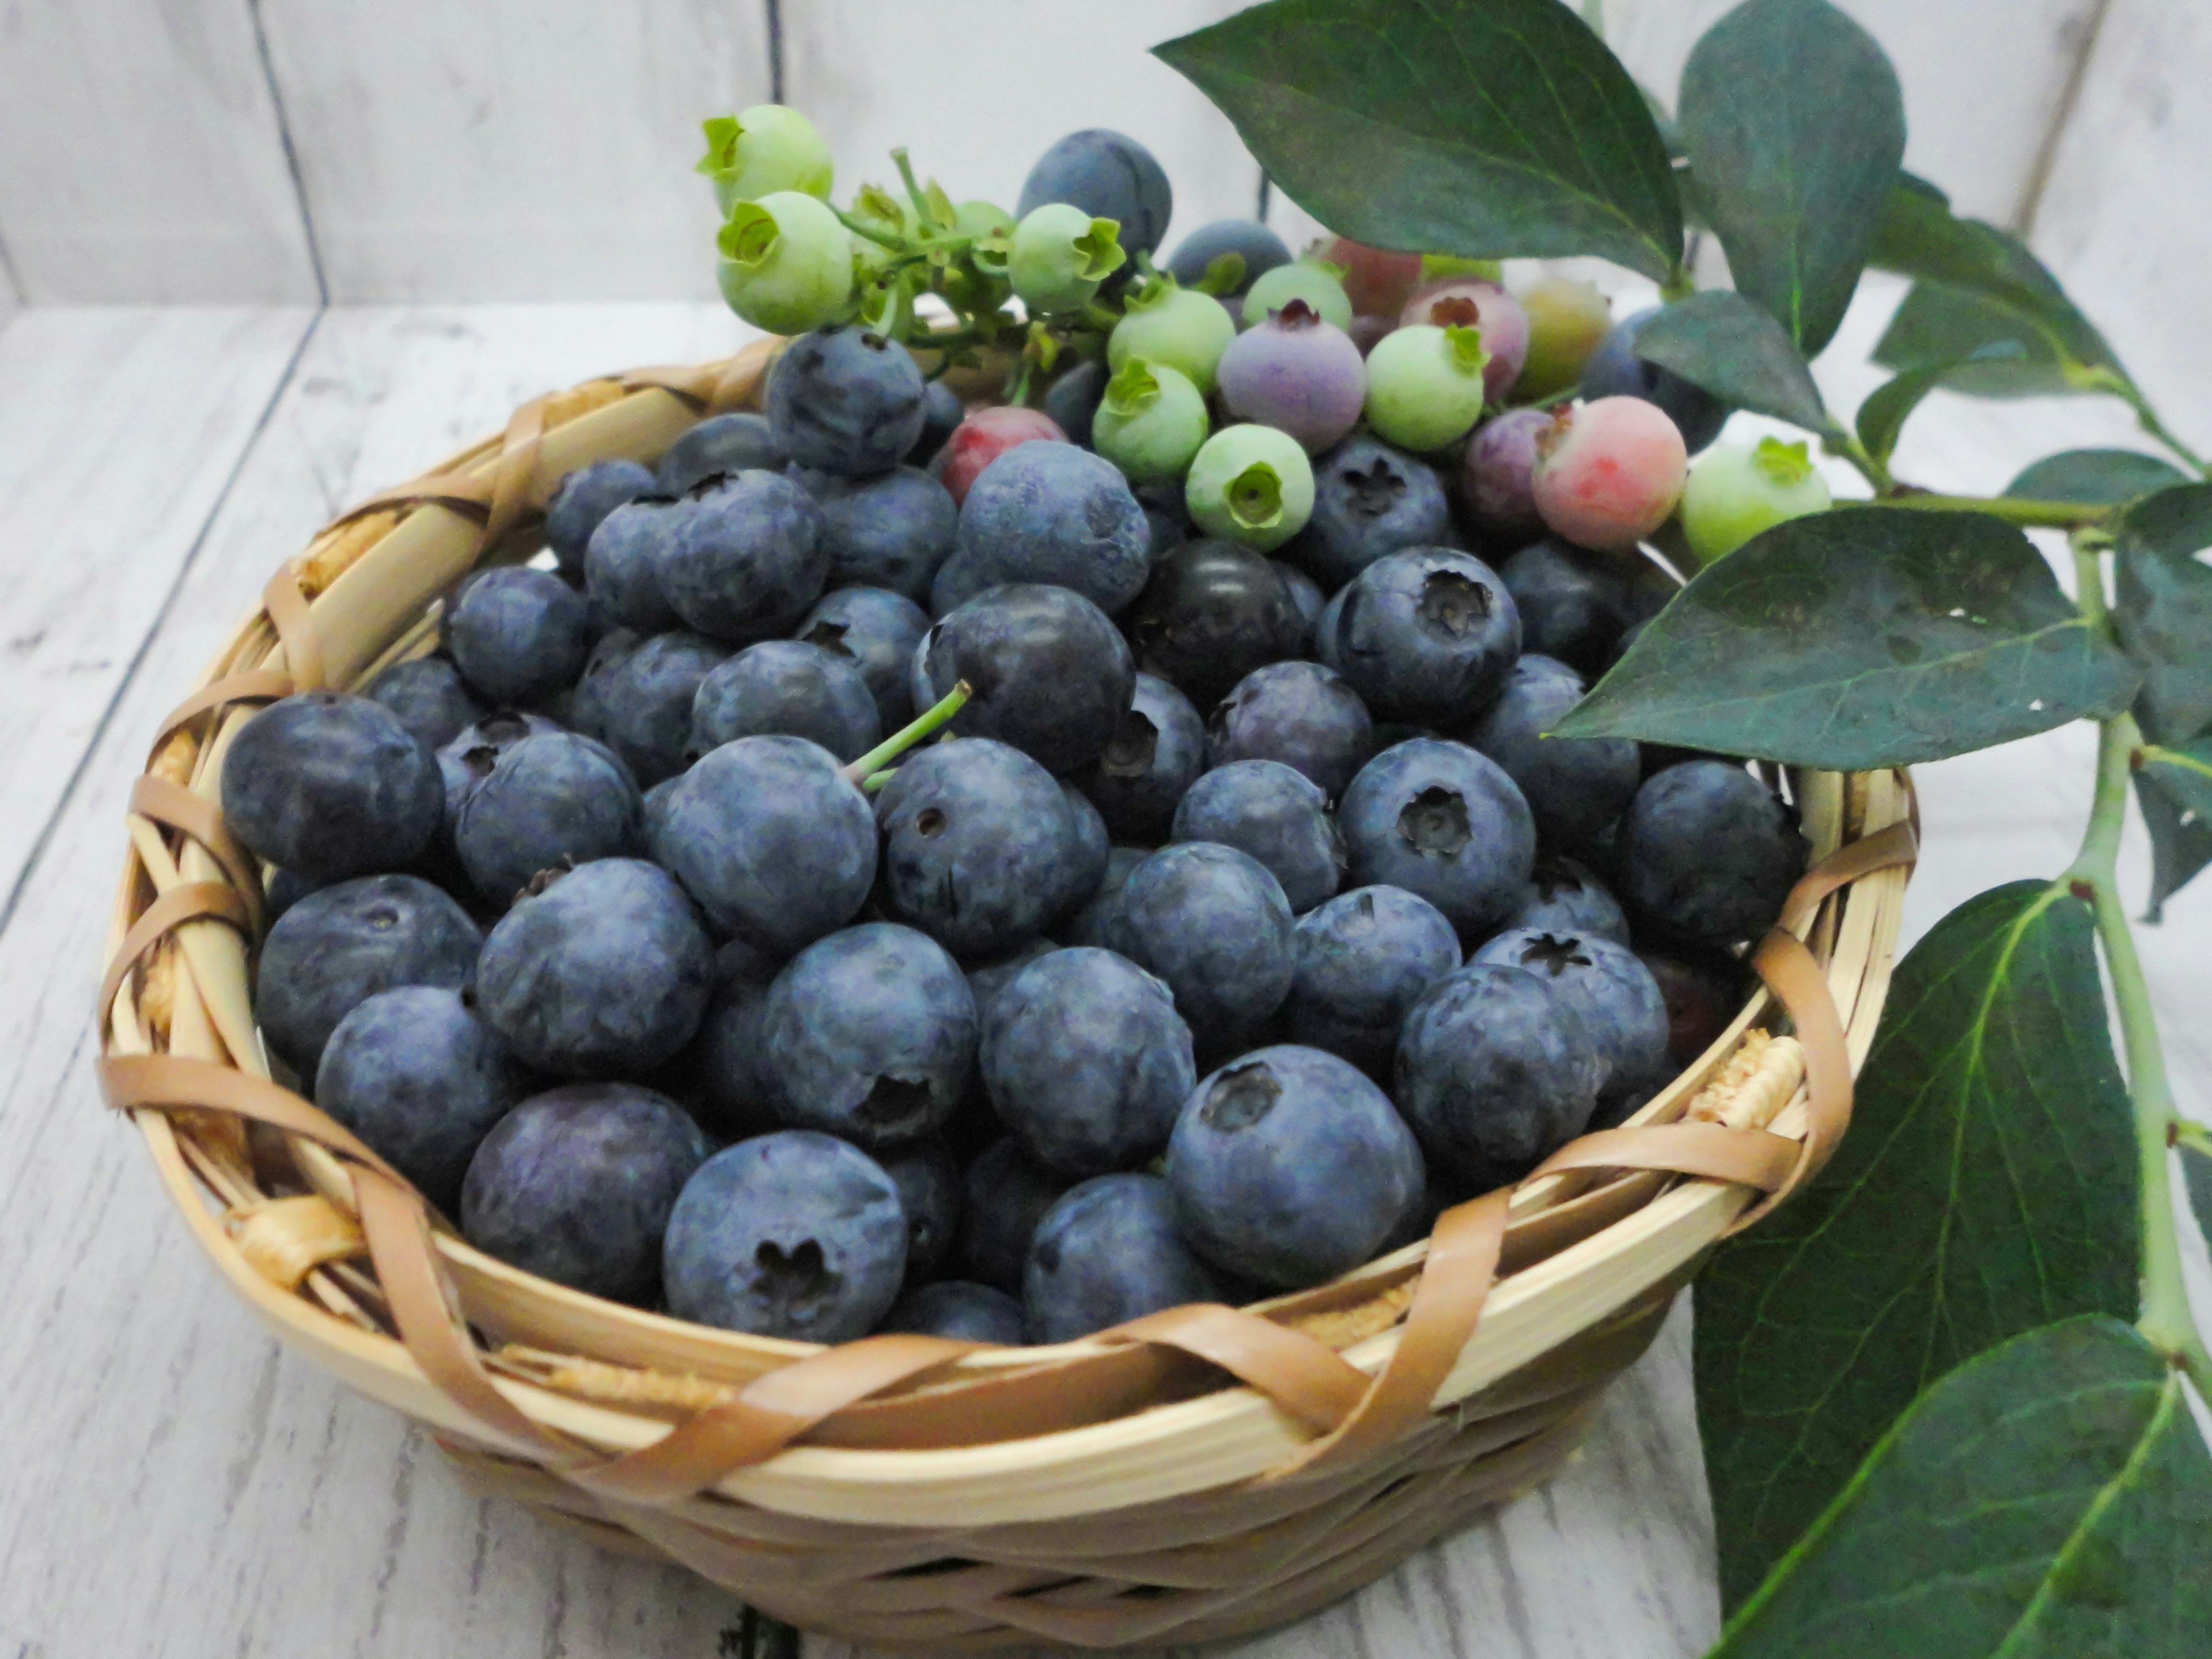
(2164, 608)
(1881, 417)
(1792, 118)
(1860, 637)
(2174, 787)
(2050, 1498)
(2097, 477)
(2197, 1177)
(1735, 350)
(1493, 129)
(1987, 1187)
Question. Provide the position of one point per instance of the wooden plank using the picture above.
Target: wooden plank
(977, 88)
(119, 432)
(500, 151)
(141, 158)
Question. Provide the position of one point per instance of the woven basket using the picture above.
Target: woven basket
(1199, 1474)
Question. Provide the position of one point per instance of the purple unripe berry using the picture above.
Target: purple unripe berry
(1495, 475)
(1298, 374)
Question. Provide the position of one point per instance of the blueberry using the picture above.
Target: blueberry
(1087, 1061)
(1708, 853)
(285, 889)
(890, 531)
(1143, 771)
(1049, 672)
(1368, 500)
(747, 560)
(1289, 1167)
(575, 1185)
(722, 443)
(1427, 634)
(1004, 1194)
(429, 697)
(332, 786)
(975, 838)
(928, 1183)
(1440, 820)
(1614, 993)
(942, 412)
(1496, 1071)
(1213, 923)
(1094, 923)
(1107, 1252)
(878, 629)
(1364, 959)
(341, 944)
(846, 401)
(469, 759)
(1259, 247)
(621, 565)
(791, 687)
(1089, 851)
(1211, 614)
(638, 702)
(1109, 176)
(1072, 399)
(773, 841)
(1615, 370)
(1574, 786)
(418, 1077)
(986, 980)
(1563, 898)
(605, 970)
(1304, 714)
(732, 1096)
(1573, 603)
(1306, 593)
(961, 1311)
(869, 1034)
(551, 801)
(1705, 991)
(1278, 815)
(1050, 512)
(517, 634)
(793, 1235)
(583, 499)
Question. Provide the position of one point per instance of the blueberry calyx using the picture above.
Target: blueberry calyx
(891, 1101)
(1553, 953)
(1435, 821)
(705, 485)
(1377, 490)
(1453, 604)
(1131, 752)
(797, 1280)
(1241, 1097)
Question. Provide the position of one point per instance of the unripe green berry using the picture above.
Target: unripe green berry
(786, 263)
(1150, 421)
(981, 218)
(1317, 285)
(763, 151)
(1174, 325)
(1058, 255)
(1252, 485)
(1737, 491)
(1424, 385)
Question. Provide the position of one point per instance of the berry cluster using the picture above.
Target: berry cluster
(1239, 914)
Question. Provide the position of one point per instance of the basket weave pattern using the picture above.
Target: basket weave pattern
(1196, 1474)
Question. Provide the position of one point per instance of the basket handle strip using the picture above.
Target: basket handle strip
(175, 807)
(253, 685)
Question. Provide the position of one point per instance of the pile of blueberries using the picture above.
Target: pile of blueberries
(1240, 920)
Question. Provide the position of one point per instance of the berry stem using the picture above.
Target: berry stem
(2046, 515)
(862, 228)
(905, 739)
(921, 213)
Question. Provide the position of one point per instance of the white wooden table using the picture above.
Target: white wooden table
(173, 1485)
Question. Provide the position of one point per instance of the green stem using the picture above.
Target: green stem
(1679, 283)
(2146, 418)
(2193, 1137)
(922, 214)
(1868, 464)
(899, 741)
(862, 228)
(2047, 515)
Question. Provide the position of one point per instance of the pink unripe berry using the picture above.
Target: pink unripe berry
(1608, 472)
(1497, 477)
(1469, 301)
(1297, 374)
(985, 436)
(1377, 282)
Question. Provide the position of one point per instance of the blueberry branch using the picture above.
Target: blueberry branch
(2046, 515)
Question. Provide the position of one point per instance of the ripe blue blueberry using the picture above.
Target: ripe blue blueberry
(1440, 820)
(1575, 786)
(791, 1235)
(1072, 400)
(1048, 671)
(1708, 853)
(638, 701)
(722, 443)
(1109, 176)
(987, 979)
(1614, 993)
(417, 1076)
(1368, 500)
(606, 970)
(1257, 249)
(584, 497)
(332, 786)
(1615, 371)
(341, 944)
(773, 841)
(1213, 923)
(1094, 923)
(1496, 1071)
(1004, 1194)
(928, 1183)
(846, 401)
(1563, 898)
(1573, 603)
(1211, 614)
(429, 697)
(1306, 593)
(960, 1311)
(1425, 634)
(747, 560)
(1275, 813)
(1289, 1166)
(1050, 513)
(942, 412)
(1155, 754)
(549, 801)
(468, 760)
(1089, 850)
(787, 686)
(894, 531)
(878, 629)
(733, 1100)
(1087, 1061)
(517, 634)
(1304, 714)
(621, 564)
(1107, 1252)
(575, 1185)
(1364, 959)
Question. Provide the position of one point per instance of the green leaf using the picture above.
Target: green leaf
(1860, 637)
(2097, 477)
(2163, 607)
(1793, 121)
(1987, 1186)
(1733, 349)
(1881, 417)
(2197, 1177)
(2174, 787)
(1490, 129)
(2052, 1497)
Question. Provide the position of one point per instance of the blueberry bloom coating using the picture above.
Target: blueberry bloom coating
(548, 800)
(1260, 248)
(790, 687)
(517, 634)
(740, 442)
(583, 500)
(1213, 923)
(878, 629)
(638, 702)
(1439, 819)
(1107, 1252)
(732, 1098)
(1280, 816)
(1153, 757)
(1364, 959)
(1574, 604)
(1608, 985)
(1052, 512)
(1048, 670)
(332, 786)
(1615, 370)
(1301, 714)
(1091, 849)
(1574, 786)
(473, 755)
(429, 697)
(846, 401)
(747, 560)
(891, 532)
(960, 1311)
(1425, 634)
(622, 565)
(1094, 924)
(1108, 175)
(1368, 500)
(1005, 1192)
(1708, 853)
(988, 980)
(1563, 898)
